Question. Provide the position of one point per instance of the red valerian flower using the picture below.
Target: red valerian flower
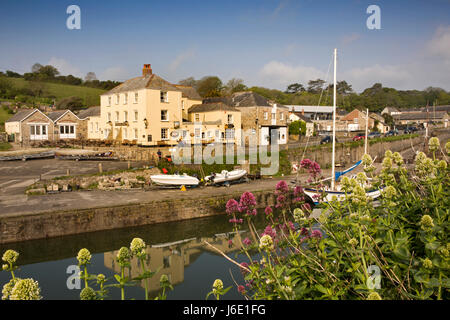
(268, 211)
(247, 204)
(281, 187)
(232, 206)
(316, 234)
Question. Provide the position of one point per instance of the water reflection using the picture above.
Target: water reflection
(177, 247)
(173, 258)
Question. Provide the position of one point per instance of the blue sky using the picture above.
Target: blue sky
(265, 42)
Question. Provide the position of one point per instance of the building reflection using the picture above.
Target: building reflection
(172, 258)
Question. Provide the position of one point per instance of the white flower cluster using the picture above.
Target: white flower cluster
(10, 256)
(25, 289)
(217, 285)
(84, 256)
(266, 242)
(299, 216)
(124, 255)
(137, 247)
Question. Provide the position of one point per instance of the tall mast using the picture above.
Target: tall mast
(334, 125)
(367, 128)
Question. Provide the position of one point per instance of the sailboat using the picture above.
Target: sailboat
(327, 194)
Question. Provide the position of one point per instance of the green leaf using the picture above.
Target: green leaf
(118, 278)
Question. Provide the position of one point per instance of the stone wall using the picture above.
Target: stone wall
(15, 228)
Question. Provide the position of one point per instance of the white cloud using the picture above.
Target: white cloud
(182, 57)
(64, 67)
(439, 45)
(280, 74)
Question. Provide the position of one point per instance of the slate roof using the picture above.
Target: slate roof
(213, 106)
(149, 81)
(431, 115)
(55, 115)
(21, 115)
(189, 92)
(89, 112)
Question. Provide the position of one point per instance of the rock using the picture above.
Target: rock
(37, 191)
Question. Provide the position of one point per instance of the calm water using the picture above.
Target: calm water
(177, 247)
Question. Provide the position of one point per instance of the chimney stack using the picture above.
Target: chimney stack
(147, 70)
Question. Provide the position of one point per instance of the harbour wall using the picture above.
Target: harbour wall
(24, 227)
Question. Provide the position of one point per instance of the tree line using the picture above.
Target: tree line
(317, 91)
(49, 73)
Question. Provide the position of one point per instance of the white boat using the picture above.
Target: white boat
(315, 194)
(334, 190)
(225, 176)
(174, 180)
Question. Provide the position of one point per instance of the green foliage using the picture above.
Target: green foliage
(297, 127)
(405, 238)
(71, 103)
(5, 146)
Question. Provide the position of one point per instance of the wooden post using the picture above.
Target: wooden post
(100, 168)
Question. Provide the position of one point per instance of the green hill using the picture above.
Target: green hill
(90, 96)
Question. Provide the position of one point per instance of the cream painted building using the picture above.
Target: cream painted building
(144, 110)
(212, 122)
(150, 111)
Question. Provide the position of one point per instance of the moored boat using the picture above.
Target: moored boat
(174, 180)
(225, 176)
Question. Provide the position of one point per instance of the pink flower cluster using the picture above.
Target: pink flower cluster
(281, 187)
(247, 241)
(247, 204)
(232, 206)
(312, 166)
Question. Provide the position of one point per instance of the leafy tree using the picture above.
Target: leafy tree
(315, 86)
(235, 85)
(295, 88)
(36, 67)
(388, 119)
(37, 88)
(12, 74)
(90, 76)
(48, 72)
(210, 86)
(71, 103)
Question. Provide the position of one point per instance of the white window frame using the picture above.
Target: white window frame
(164, 136)
(117, 98)
(196, 117)
(230, 116)
(65, 130)
(136, 116)
(117, 116)
(266, 115)
(109, 101)
(125, 98)
(136, 97)
(125, 116)
(39, 136)
(136, 133)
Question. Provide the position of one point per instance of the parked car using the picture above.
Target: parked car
(410, 130)
(327, 139)
(359, 136)
(374, 135)
(391, 133)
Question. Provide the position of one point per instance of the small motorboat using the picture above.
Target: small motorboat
(174, 180)
(316, 194)
(225, 176)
